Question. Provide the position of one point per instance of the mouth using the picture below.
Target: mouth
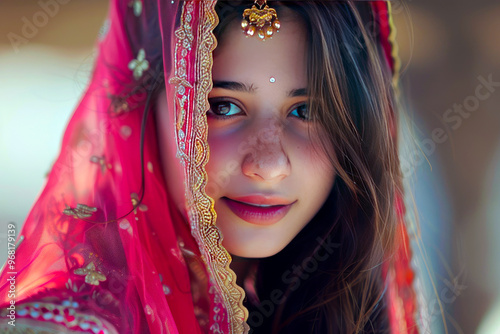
(259, 211)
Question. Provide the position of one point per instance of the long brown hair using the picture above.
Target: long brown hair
(352, 97)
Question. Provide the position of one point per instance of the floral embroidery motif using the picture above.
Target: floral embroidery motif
(73, 287)
(124, 224)
(125, 131)
(135, 203)
(65, 314)
(139, 65)
(166, 288)
(101, 161)
(185, 39)
(92, 276)
(81, 211)
(119, 105)
(137, 6)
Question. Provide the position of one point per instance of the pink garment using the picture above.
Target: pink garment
(146, 270)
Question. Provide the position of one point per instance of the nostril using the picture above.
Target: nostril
(266, 164)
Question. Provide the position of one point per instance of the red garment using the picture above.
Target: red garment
(146, 270)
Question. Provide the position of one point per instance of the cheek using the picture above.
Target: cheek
(223, 163)
(311, 162)
(309, 151)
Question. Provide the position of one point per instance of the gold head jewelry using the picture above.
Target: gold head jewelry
(260, 19)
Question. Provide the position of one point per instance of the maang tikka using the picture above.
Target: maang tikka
(260, 19)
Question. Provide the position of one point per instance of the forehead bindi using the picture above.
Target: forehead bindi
(249, 65)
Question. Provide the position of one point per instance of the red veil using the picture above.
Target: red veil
(146, 269)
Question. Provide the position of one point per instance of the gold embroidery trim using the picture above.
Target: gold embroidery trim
(81, 211)
(225, 277)
(203, 215)
(54, 317)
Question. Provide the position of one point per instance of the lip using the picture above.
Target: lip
(245, 208)
(262, 200)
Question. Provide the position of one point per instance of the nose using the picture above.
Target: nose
(266, 159)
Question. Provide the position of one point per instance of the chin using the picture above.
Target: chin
(253, 251)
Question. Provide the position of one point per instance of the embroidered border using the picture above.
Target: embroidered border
(66, 314)
(193, 151)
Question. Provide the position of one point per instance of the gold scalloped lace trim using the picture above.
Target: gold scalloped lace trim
(202, 214)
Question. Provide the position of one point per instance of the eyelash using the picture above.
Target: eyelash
(215, 101)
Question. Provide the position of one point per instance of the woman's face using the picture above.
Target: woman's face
(266, 171)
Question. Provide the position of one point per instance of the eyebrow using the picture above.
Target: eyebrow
(241, 87)
(233, 85)
(297, 92)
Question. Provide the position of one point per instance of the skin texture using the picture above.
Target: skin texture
(264, 148)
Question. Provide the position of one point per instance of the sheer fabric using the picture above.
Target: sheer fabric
(93, 257)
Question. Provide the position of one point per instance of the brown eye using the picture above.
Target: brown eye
(224, 108)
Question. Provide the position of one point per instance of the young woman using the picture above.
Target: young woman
(196, 140)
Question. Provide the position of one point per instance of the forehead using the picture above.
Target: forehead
(250, 60)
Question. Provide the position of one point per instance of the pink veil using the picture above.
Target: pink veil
(146, 270)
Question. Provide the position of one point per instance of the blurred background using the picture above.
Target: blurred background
(450, 52)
